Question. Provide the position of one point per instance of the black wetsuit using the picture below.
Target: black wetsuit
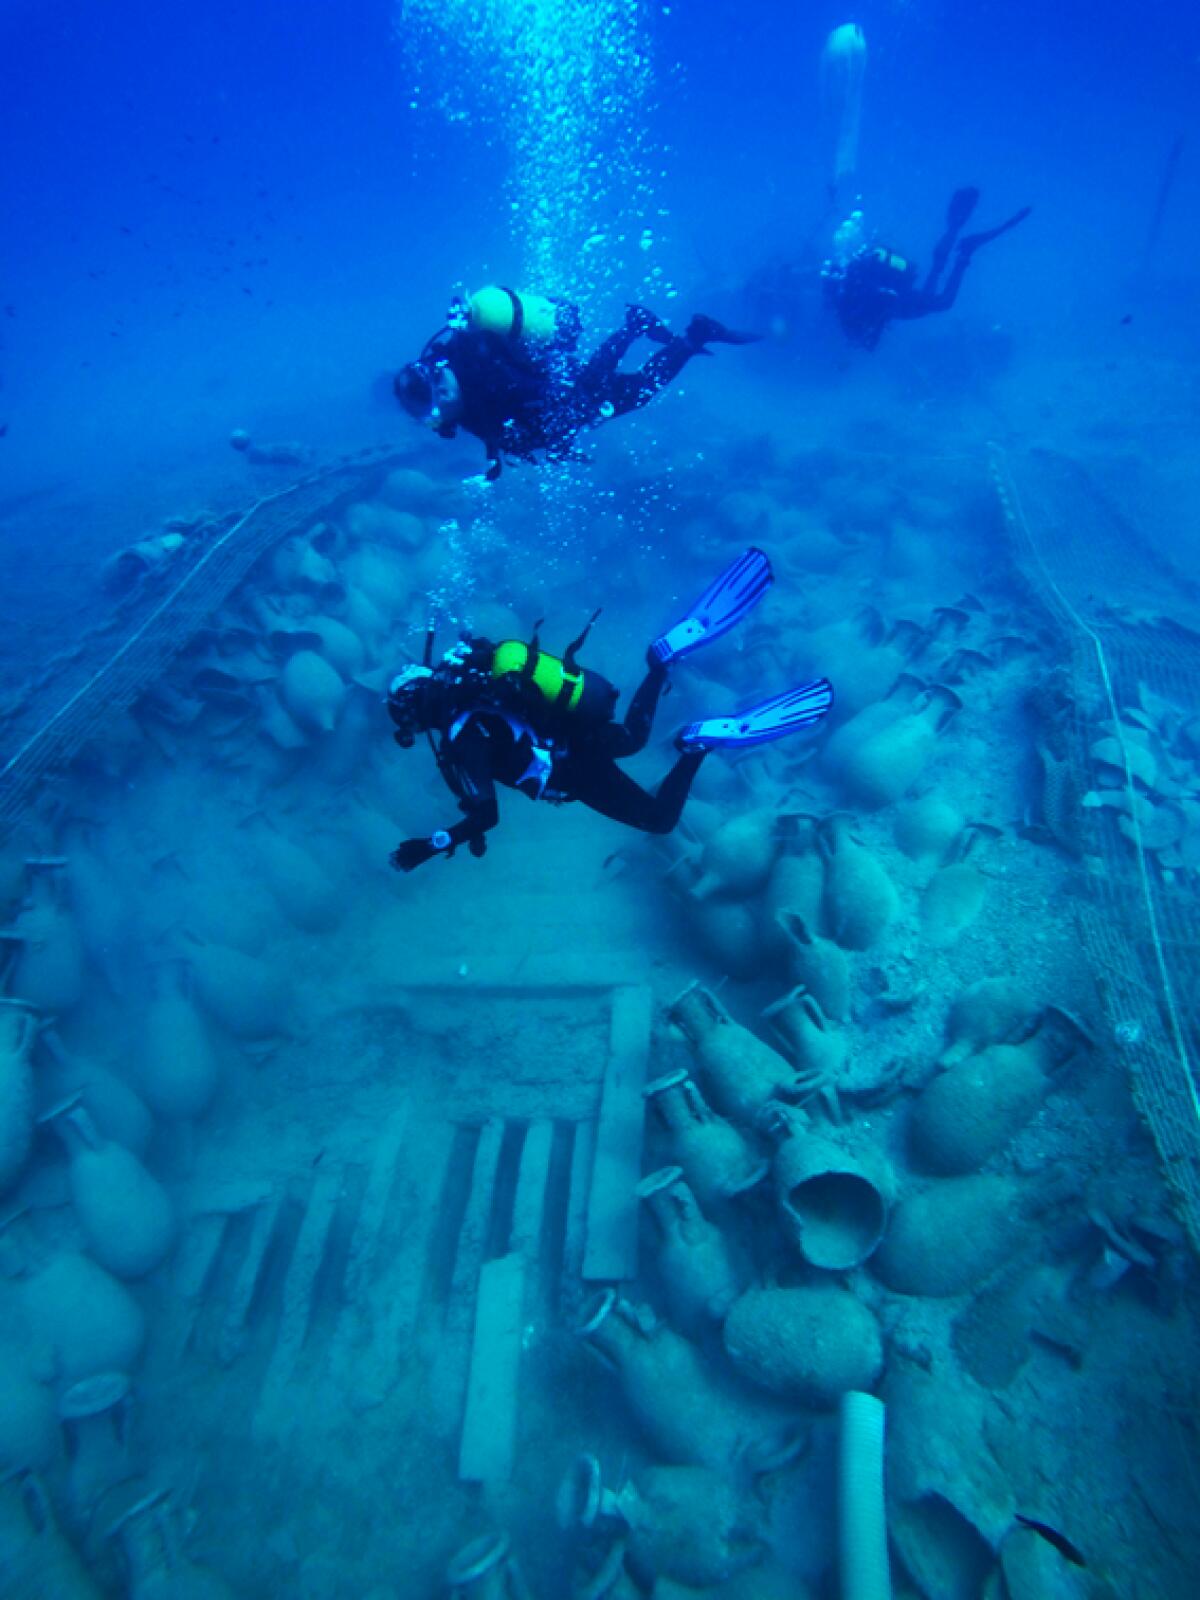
(485, 744)
(874, 290)
(519, 404)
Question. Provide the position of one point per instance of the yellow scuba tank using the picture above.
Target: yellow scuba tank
(529, 317)
(555, 684)
(889, 262)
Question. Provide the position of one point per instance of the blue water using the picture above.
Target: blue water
(372, 1110)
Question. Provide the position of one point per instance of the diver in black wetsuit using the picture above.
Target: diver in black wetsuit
(487, 744)
(510, 714)
(507, 370)
(875, 286)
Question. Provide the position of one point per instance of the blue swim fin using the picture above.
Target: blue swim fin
(773, 719)
(721, 607)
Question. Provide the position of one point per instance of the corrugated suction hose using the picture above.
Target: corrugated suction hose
(862, 1517)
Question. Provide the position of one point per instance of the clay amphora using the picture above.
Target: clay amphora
(664, 1380)
(89, 1322)
(817, 1049)
(717, 1160)
(927, 827)
(178, 1066)
(818, 965)
(883, 766)
(39, 1560)
(118, 1111)
(993, 1011)
(738, 857)
(730, 934)
(305, 895)
(695, 1261)
(27, 1425)
(689, 1524)
(94, 1415)
(797, 883)
(833, 1201)
(311, 691)
(860, 900)
(365, 617)
(612, 1579)
(126, 1215)
(157, 1567)
(301, 563)
(340, 645)
(741, 1072)
(968, 1113)
(245, 994)
(375, 573)
(49, 969)
(98, 900)
(343, 756)
(865, 724)
(943, 1240)
(18, 1030)
(486, 1569)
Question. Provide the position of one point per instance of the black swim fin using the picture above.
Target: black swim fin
(702, 330)
(972, 242)
(641, 320)
(961, 208)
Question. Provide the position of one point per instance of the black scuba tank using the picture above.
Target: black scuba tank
(548, 682)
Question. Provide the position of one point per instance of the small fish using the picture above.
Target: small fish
(127, 231)
(1052, 1536)
(3, 430)
(1127, 319)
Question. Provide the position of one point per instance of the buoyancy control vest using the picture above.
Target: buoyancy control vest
(573, 696)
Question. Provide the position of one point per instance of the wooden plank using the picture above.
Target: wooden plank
(530, 1201)
(453, 1352)
(611, 1249)
(232, 1336)
(472, 1237)
(583, 1154)
(396, 1293)
(489, 1432)
(298, 1285)
(196, 1253)
(194, 1263)
(362, 1263)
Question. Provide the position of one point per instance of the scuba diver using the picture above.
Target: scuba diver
(505, 368)
(869, 285)
(511, 714)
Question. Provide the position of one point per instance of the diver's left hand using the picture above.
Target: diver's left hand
(412, 853)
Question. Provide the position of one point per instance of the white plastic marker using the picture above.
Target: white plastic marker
(862, 1515)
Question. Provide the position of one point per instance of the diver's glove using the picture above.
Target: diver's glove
(414, 853)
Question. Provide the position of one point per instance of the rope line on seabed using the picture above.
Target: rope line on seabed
(1010, 500)
(138, 632)
(171, 599)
